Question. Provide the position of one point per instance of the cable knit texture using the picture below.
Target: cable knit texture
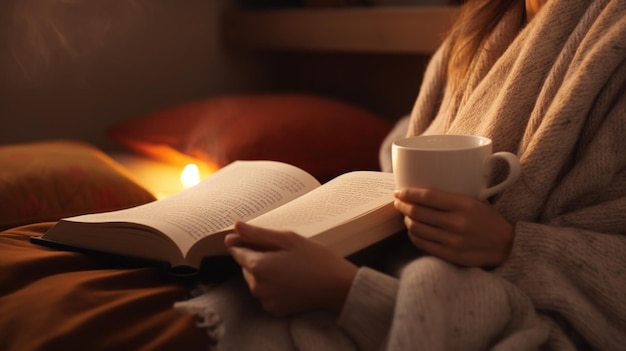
(554, 93)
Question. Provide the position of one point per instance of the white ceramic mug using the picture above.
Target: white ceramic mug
(458, 164)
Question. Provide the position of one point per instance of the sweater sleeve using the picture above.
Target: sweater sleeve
(369, 307)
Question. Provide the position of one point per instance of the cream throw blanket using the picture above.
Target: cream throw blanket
(555, 94)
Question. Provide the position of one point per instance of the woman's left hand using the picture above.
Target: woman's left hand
(455, 228)
(289, 273)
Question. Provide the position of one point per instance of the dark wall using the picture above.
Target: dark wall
(68, 69)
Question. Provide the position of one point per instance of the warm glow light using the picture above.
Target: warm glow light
(190, 176)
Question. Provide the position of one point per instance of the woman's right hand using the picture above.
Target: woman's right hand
(289, 273)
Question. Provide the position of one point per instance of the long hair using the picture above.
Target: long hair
(477, 20)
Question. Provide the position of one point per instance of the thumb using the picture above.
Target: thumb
(261, 238)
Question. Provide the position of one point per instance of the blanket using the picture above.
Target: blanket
(554, 93)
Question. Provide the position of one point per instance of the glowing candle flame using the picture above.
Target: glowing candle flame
(190, 176)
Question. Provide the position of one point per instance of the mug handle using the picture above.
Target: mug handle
(514, 172)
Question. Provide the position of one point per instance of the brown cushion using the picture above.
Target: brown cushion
(323, 136)
(50, 180)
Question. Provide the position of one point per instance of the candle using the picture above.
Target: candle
(190, 175)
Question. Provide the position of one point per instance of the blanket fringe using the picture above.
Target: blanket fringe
(208, 319)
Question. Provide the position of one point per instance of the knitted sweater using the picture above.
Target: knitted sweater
(554, 94)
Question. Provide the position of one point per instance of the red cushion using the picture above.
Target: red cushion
(323, 136)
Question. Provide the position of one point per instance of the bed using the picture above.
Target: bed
(52, 299)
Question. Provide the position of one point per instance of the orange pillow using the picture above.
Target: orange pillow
(46, 181)
(323, 136)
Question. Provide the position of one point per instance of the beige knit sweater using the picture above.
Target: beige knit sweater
(555, 94)
(557, 97)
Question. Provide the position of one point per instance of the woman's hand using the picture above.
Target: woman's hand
(288, 272)
(455, 228)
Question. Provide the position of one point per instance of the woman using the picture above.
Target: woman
(539, 266)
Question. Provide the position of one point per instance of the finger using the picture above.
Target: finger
(433, 198)
(262, 238)
(434, 248)
(430, 233)
(446, 220)
(256, 288)
(233, 239)
(247, 258)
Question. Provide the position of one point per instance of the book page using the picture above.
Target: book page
(341, 199)
(239, 191)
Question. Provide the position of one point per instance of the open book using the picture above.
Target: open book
(346, 214)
